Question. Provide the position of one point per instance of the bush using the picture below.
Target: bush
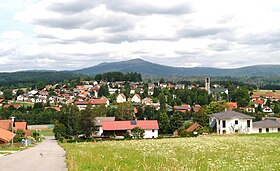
(59, 130)
(137, 133)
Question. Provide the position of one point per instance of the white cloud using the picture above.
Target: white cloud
(12, 35)
(190, 33)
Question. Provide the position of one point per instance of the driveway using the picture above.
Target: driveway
(47, 156)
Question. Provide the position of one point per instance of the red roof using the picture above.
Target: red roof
(196, 108)
(98, 101)
(255, 96)
(128, 125)
(20, 125)
(16, 106)
(81, 103)
(5, 124)
(1, 100)
(5, 135)
(270, 94)
(259, 102)
(232, 105)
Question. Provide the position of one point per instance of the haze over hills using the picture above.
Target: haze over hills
(151, 69)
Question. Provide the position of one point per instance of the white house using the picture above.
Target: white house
(121, 98)
(136, 98)
(231, 122)
(266, 126)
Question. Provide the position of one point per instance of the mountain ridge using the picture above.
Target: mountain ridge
(151, 69)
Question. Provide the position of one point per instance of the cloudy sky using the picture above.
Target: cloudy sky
(73, 34)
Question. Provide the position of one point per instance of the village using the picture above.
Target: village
(157, 108)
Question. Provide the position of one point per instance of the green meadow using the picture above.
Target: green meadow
(230, 153)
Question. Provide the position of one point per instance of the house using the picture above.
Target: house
(254, 97)
(6, 136)
(119, 128)
(102, 101)
(183, 108)
(6, 124)
(83, 104)
(231, 122)
(136, 98)
(98, 124)
(266, 126)
(258, 103)
(147, 101)
(121, 98)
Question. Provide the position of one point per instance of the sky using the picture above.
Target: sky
(74, 34)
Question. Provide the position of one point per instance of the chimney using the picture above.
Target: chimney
(145, 118)
(226, 109)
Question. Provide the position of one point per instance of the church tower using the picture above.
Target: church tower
(207, 84)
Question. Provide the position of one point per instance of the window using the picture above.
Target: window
(153, 130)
(267, 129)
(224, 131)
(224, 123)
(260, 130)
(278, 129)
(153, 136)
(236, 131)
(236, 122)
(248, 123)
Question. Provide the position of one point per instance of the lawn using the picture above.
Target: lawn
(230, 153)
(47, 132)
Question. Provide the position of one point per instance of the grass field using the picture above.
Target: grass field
(263, 92)
(254, 152)
(48, 132)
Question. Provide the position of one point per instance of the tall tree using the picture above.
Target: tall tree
(103, 91)
(162, 102)
(216, 106)
(87, 120)
(8, 94)
(40, 85)
(124, 111)
(69, 116)
(164, 122)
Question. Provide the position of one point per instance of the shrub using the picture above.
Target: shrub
(137, 133)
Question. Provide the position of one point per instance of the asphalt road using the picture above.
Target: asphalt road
(47, 156)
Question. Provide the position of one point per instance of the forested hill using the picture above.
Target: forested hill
(32, 77)
(150, 69)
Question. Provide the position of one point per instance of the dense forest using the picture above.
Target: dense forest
(29, 78)
(119, 76)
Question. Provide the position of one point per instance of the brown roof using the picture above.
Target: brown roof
(193, 127)
(5, 135)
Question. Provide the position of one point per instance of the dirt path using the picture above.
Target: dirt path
(47, 156)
